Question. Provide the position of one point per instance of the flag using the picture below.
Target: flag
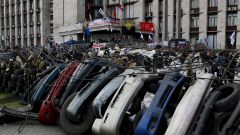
(70, 35)
(120, 5)
(206, 40)
(150, 38)
(115, 12)
(232, 38)
(141, 35)
(110, 25)
(101, 12)
(90, 17)
(88, 6)
(3, 38)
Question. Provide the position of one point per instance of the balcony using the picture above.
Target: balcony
(31, 23)
(231, 28)
(212, 29)
(130, 2)
(149, 14)
(38, 34)
(38, 23)
(232, 8)
(31, 11)
(194, 30)
(38, 10)
(194, 11)
(24, 11)
(212, 9)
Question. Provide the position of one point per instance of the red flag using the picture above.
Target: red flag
(120, 5)
(115, 12)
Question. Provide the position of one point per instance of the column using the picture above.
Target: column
(5, 23)
(22, 25)
(238, 29)
(221, 35)
(178, 19)
(16, 24)
(104, 7)
(165, 21)
(171, 19)
(156, 20)
(28, 24)
(35, 21)
(186, 19)
(203, 18)
(10, 17)
(139, 10)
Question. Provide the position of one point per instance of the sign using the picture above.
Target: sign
(145, 26)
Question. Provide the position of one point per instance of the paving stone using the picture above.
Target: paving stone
(31, 128)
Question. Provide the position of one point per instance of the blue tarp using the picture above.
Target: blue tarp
(72, 42)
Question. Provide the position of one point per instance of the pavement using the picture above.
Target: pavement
(30, 128)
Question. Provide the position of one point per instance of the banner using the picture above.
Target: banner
(128, 27)
(99, 45)
(145, 26)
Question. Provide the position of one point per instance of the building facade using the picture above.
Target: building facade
(25, 23)
(215, 22)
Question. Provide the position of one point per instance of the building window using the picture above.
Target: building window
(212, 41)
(25, 31)
(8, 32)
(51, 17)
(31, 4)
(213, 3)
(129, 11)
(212, 20)
(31, 30)
(98, 3)
(195, 22)
(194, 3)
(19, 31)
(232, 2)
(38, 3)
(232, 19)
(38, 30)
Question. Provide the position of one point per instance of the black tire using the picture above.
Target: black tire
(219, 121)
(229, 99)
(76, 129)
